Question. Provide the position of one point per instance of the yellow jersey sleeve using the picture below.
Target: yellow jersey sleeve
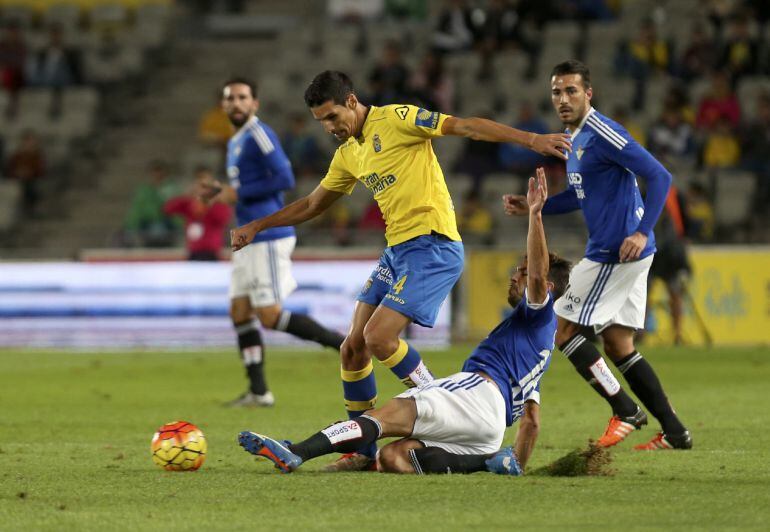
(338, 178)
(413, 121)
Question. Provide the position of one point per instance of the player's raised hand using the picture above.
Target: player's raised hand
(515, 204)
(554, 144)
(632, 247)
(537, 192)
(242, 236)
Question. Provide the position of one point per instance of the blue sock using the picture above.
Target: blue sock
(360, 391)
(408, 366)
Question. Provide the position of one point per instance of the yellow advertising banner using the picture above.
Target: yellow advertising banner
(726, 301)
(727, 298)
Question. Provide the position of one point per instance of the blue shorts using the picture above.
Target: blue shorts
(414, 277)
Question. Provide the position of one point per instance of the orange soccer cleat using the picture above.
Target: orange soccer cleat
(662, 442)
(620, 427)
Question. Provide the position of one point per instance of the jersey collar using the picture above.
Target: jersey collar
(249, 123)
(362, 137)
(591, 111)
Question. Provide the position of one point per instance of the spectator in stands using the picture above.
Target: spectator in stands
(718, 12)
(55, 66)
(389, 78)
(641, 57)
(302, 148)
(146, 224)
(671, 136)
(432, 84)
(475, 222)
(500, 28)
(13, 57)
(27, 166)
(721, 148)
(741, 51)
(720, 103)
(454, 30)
(517, 159)
(701, 54)
(701, 213)
(755, 144)
(204, 224)
(214, 128)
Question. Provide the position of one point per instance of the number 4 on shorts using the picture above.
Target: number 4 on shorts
(399, 285)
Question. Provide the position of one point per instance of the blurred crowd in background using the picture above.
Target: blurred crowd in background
(697, 97)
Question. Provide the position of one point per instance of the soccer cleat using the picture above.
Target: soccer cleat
(275, 451)
(620, 427)
(663, 442)
(504, 462)
(250, 399)
(352, 462)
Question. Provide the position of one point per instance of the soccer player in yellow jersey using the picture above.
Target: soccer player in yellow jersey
(389, 150)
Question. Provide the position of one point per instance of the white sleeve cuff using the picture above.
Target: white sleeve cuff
(537, 306)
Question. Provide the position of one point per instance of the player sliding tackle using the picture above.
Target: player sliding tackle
(389, 150)
(456, 424)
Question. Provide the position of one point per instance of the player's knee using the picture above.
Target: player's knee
(565, 330)
(353, 353)
(393, 459)
(379, 344)
(269, 317)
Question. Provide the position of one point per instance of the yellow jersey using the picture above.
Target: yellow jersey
(393, 158)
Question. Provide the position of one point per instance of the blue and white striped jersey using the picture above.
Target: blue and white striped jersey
(601, 175)
(259, 170)
(517, 353)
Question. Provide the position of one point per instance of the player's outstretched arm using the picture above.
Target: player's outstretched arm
(526, 436)
(490, 131)
(537, 249)
(294, 213)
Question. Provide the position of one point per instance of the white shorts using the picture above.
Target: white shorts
(601, 295)
(262, 271)
(463, 414)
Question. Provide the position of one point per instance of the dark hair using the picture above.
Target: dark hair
(558, 274)
(328, 85)
(237, 80)
(573, 66)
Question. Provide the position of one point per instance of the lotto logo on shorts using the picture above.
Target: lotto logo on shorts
(343, 431)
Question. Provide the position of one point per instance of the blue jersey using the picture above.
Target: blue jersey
(517, 353)
(259, 170)
(601, 174)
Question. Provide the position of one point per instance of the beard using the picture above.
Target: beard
(514, 299)
(238, 121)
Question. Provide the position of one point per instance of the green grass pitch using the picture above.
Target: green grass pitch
(75, 431)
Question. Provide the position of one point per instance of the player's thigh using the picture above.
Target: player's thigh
(396, 417)
(394, 457)
(269, 315)
(382, 330)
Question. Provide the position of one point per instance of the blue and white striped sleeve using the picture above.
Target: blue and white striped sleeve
(621, 148)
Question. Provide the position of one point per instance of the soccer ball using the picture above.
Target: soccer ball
(178, 446)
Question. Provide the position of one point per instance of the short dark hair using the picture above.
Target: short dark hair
(238, 80)
(329, 85)
(573, 66)
(558, 274)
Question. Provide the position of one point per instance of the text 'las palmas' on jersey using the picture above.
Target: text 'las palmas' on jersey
(393, 157)
(259, 170)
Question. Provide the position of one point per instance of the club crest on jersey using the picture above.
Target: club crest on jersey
(377, 144)
(579, 152)
(426, 118)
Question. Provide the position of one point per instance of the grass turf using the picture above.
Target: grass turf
(75, 432)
